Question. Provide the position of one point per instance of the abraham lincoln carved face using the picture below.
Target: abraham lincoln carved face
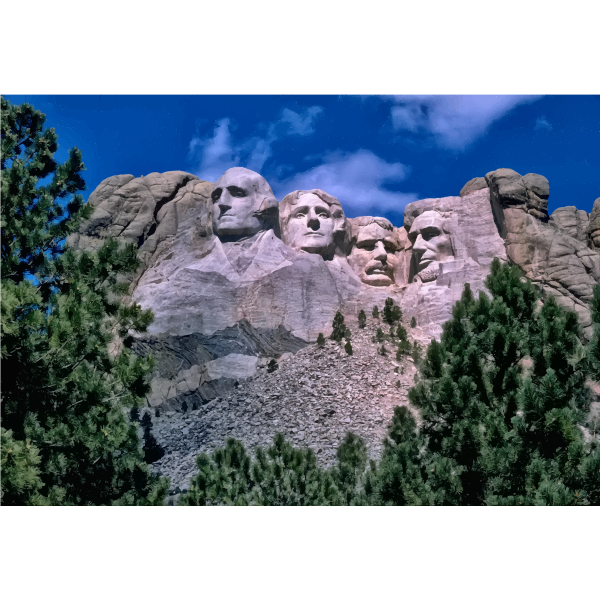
(432, 245)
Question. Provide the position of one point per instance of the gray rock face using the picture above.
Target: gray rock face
(473, 185)
(594, 226)
(555, 261)
(235, 278)
(574, 222)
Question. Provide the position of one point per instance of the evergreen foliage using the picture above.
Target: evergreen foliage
(272, 366)
(379, 335)
(339, 328)
(416, 353)
(320, 340)
(501, 399)
(362, 319)
(348, 348)
(383, 350)
(413, 322)
(66, 387)
(401, 333)
(375, 312)
(281, 475)
(391, 313)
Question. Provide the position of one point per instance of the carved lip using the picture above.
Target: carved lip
(314, 233)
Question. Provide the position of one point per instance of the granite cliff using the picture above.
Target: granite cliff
(235, 277)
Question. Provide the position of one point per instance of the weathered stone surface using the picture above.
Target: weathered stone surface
(594, 226)
(235, 278)
(557, 263)
(574, 222)
(473, 185)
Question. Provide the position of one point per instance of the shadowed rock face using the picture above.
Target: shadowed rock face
(594, 226)
(228, 293)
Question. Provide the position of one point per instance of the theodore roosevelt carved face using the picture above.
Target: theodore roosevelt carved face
(243, 204)
(313, 221)
(375, 244)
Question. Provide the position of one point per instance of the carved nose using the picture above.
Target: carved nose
(380, 253)
(313, 221)
(419, 246)
(224, 202)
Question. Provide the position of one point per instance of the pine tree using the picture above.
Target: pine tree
(339, 329)
(66, 437)
(362, 319)
(413, 322)
(272, 366)
(375, 312)
(502, 398)
(320, 340)
(401, 333)
(391, 313)
(279, 475)
(348, 348)
(416, 353)
(383, 350)
(379, 335)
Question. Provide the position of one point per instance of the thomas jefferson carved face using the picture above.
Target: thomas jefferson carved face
(310, 226)
(373, 257)
(431, 244)
(313, 221)
(239, 198)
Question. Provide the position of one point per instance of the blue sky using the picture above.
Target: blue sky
(374, 153)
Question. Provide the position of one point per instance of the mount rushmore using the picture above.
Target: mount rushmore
(235, 277)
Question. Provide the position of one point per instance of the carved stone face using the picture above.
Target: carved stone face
(431, 244)
(373, 256)
(238, 195)
(310, 226)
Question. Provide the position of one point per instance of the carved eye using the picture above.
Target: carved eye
(299, 215)
(369, 247)
(389, 248)
(216, 194)
(236, 192)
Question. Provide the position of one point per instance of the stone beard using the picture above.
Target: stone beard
(313, 221)
(375, 244)
(243, 204)
(431, 245)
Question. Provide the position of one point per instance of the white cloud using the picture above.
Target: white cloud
(357, 180)
(214, 154)
(542, 123)
(454, 121)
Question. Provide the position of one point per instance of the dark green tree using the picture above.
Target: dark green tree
(416, 353)
(383, 350)
(379, 335)
(280, 475)
(272, 366)
(67, 387)
(413, 322)
(348, 348)
(320, 340)
(375, 312)
(339, 328)
(391, 312)
(401, 333)
(362, 319)
(502, 400)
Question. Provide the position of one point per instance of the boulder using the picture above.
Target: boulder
(594, 226)
(473, 185)
(575, 222)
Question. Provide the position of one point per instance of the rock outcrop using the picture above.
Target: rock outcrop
(575, 222)
(594, 226)
(559, 264)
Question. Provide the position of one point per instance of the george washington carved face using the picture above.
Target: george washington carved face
(241, 199)
(431, 245)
